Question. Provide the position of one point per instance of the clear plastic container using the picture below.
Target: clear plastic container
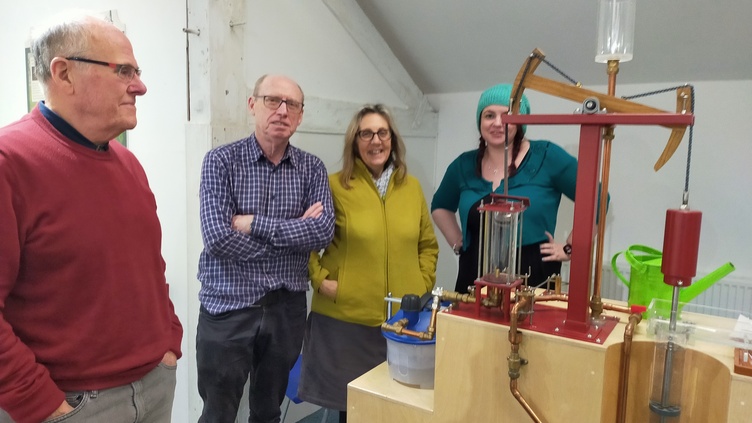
(411, 360)
(616, 21)
(411, 364)
(701, 323)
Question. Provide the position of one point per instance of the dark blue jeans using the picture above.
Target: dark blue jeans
(262, 343)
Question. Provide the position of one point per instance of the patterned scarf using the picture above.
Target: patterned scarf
(382, 183)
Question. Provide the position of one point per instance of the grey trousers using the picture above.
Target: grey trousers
(148, 400)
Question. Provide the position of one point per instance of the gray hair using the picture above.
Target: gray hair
(65, 37)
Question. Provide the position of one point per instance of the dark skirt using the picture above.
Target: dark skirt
(335, 353)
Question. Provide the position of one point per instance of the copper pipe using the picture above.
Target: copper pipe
(400, 330)
(456, 296)
(522, 401)
(423, 336)
(634, 319)
(621, 413)
(399, 326)
(515, 337)
(514, 360)
(431, 330)
(614, 307)
(552, 297)
(595, 301)
(557, 284)
(612, 68)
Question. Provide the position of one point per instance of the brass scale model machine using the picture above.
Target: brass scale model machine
(501, 293)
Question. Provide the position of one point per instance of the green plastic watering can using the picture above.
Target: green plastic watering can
(646, 280)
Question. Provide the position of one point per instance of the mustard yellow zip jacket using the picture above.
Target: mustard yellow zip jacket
(380, 246)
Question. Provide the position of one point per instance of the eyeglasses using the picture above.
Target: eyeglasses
(125, 72)
(367, 135)
(273, 103)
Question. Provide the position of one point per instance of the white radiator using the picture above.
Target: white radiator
(730, 293)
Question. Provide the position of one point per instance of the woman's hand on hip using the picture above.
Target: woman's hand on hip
(552, 251)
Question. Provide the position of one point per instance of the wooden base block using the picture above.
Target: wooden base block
(565, 380)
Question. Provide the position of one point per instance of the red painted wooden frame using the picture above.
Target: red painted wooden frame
(588, 175)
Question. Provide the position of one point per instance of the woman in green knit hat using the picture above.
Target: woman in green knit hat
(539, 170)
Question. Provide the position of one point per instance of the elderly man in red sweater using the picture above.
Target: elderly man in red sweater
(87, 329)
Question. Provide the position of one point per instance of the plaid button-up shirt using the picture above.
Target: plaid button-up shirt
(237, 269)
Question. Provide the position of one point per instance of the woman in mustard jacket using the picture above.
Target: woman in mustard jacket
(383, 242)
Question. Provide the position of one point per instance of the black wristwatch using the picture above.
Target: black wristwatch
(568, 249)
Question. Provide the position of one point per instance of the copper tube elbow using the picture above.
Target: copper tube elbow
(621, 407)
(518, 396)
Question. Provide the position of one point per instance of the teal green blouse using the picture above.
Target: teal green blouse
(546, 172)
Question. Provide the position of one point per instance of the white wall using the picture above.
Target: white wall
(719, 179)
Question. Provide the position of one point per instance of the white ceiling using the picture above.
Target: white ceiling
(467, 45)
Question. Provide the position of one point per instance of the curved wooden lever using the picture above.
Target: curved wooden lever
(527, 79)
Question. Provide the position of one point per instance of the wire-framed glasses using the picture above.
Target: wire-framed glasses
(273, 103)
(367, 134)
(125, 72)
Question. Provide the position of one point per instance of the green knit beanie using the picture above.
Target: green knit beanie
(499, 94)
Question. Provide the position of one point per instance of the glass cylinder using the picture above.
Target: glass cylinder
(668, 376)
(502, 252)
(500, 238)
(616, 20)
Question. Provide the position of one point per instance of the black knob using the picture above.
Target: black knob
(410, 302)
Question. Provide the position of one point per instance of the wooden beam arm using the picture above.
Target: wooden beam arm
(526, 79)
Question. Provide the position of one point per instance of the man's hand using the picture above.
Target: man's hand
(242, 223)
(62, 410)
(328, 289)
(314, 211)
(170, 359)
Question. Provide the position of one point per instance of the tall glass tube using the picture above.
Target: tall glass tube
(502, 254)
(616, 20)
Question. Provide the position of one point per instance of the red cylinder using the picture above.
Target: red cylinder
(681, 243)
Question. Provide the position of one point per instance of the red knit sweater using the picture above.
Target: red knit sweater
(83, 299)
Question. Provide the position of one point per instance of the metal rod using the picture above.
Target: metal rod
(485, 242)
(670, 346)
(608, 137)
(506, 159)
(518, 241)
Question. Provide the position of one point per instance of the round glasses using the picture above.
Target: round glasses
(367, 135)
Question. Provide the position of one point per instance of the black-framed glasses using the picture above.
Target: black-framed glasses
(273, 103)
(367, 134)
(125, 72)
